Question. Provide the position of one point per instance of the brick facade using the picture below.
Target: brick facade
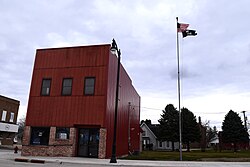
(56, 147)
(59, 147)
(26, 136)
(8, 120)
(102, 143)
(9, 105)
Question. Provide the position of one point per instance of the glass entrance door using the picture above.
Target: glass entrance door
(88, 142)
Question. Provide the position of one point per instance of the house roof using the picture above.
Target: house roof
(141, 130)
(154, 128)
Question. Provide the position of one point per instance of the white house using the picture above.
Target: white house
(150, 139)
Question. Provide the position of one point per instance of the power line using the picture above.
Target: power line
(152, 108)
(210, 113)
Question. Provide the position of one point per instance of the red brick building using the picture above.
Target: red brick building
(72, 102)
(8, 122)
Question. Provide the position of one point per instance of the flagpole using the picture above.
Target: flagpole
(179, 93)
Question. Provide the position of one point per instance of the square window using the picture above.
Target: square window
(89, 86)
(4, 114)
(62, 133)
(39, 135)
(12, 116)
(46, 87)
(67, 86)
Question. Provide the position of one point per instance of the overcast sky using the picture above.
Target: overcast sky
(215, 64)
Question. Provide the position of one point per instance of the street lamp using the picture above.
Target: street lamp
(114, 49)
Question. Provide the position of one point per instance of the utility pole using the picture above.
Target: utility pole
(245, 119)
(179, 93)
(185, 32)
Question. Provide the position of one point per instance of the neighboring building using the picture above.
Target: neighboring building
(150, 138)
(214, 143)
(8, 122)
(72, 102)
(151, 141)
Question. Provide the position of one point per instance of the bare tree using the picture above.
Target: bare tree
(211, 133)
(21, 125)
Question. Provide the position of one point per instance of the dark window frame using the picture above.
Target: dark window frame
(160, 144)
(60, 130)
(63, 87)
(39, 136)
(42, 87)
(88, 86)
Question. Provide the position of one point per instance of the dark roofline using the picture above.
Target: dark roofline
(69, 47)
(148, 128)
(153, 128)
(13, 100)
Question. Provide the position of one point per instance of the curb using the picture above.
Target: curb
(31, 161)
(21, 160)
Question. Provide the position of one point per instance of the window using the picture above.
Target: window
(62, 133)
(160, 143)
(167, 144)
(12, 116)
(89, 84)
(45, 87)
(4, 113)
(39, 136)
(146, 141)
(67, 86)
(144, 133)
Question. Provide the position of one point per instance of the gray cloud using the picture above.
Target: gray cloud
(216, 59)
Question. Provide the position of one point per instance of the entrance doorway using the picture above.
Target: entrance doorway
(88, 142)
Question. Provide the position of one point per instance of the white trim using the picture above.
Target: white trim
(148, 129)
(8, 127)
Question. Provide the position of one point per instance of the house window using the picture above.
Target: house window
(39, 136)
(12, 116)
(62, 133)
(160, 143)
(89, 86)
(45, 87)
(4, 114)
(144, 133)
(167, 143)
(67, 86)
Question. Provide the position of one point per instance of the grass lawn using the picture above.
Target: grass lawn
(209, 155)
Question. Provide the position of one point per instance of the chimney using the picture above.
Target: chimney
(199, 120)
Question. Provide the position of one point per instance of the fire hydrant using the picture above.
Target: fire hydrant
(15, 150)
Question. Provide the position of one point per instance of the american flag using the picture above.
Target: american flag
(181, 27)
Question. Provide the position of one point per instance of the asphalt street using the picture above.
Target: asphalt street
(7, 159)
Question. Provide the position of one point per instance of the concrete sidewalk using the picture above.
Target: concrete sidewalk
(105, 162)
(9, 154)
